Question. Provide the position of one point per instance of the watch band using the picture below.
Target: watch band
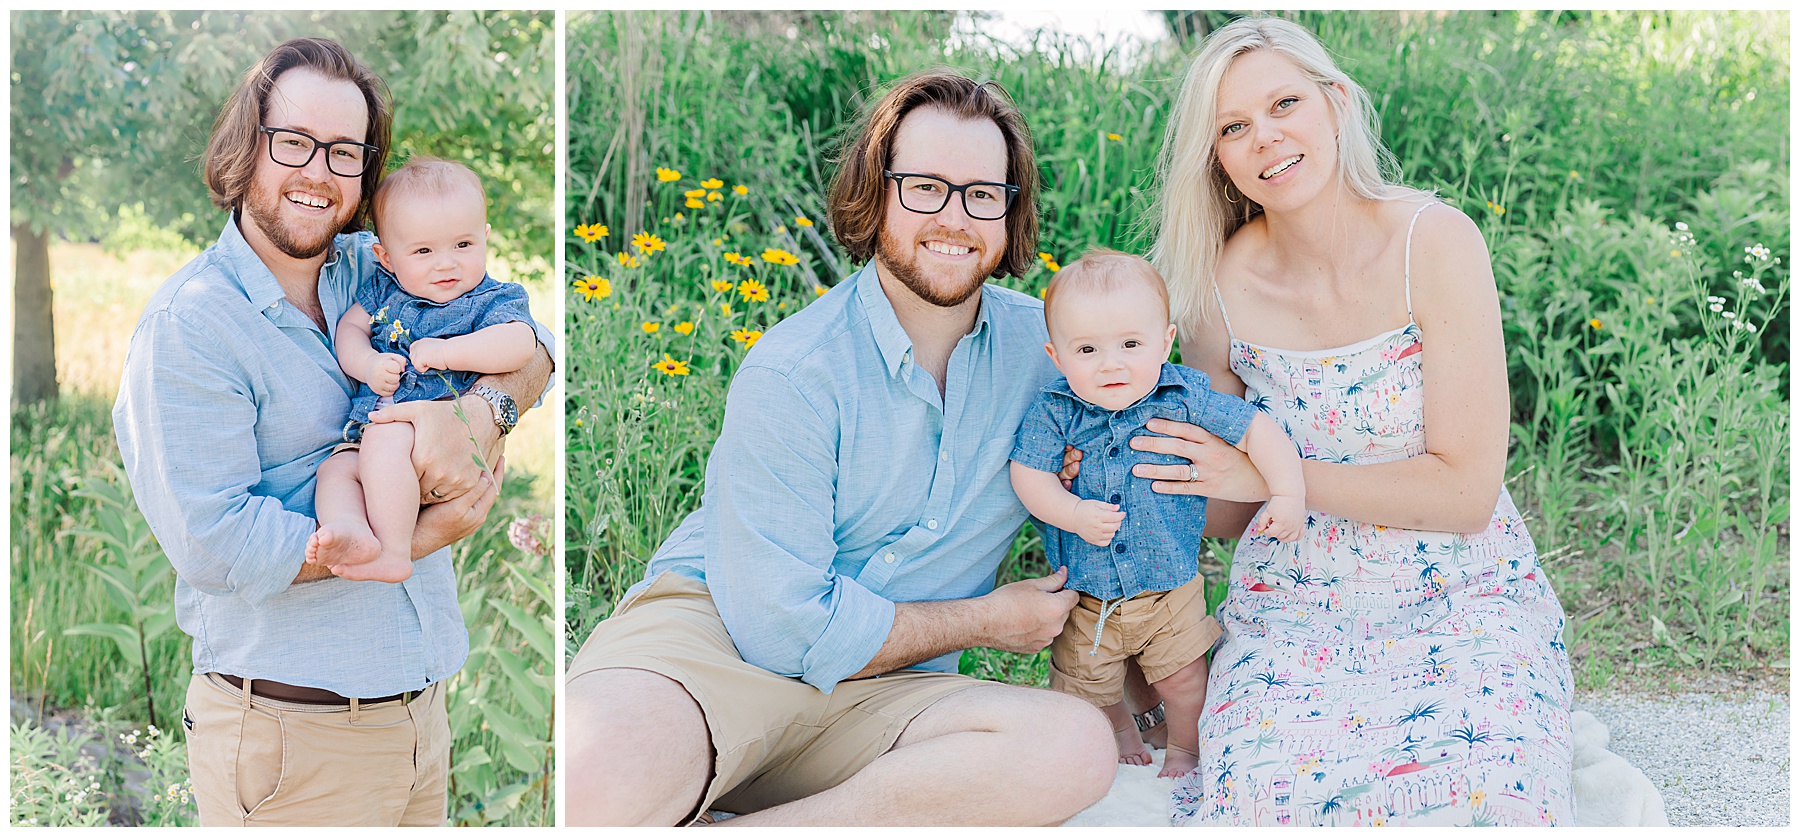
(506, 413)
(1147, 720)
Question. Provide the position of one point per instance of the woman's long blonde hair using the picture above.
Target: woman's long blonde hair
(1192, 217)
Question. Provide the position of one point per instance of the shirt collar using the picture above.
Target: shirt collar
(248, 270)
(892, 340)
(1166, 377)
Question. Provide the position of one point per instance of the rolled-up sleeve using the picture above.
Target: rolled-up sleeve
(186, 424)
(1041, 436)
(769, 522)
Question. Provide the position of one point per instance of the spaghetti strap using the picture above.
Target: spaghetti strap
(1222, 313)
(1409, 232)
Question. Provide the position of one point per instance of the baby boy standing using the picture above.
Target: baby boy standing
(1110, 335)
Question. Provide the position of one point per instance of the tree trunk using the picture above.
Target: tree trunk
(34, 329)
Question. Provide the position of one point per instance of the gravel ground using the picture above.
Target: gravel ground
(1715, 747)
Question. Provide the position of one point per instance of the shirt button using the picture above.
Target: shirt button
(1119, 548)
(944, 456)
(888, 557)
(1113, 452)
(1115, 499)
(931, 524)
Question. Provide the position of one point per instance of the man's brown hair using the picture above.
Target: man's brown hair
(237, 141)
(859, 190)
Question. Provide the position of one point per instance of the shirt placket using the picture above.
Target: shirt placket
(312, 342)
(934, 522)
(1118, 472)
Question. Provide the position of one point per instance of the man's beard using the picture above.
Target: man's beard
(903, 263)
(264, 210)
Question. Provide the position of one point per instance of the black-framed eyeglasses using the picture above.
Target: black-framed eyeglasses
(927, 195)
(345, 158)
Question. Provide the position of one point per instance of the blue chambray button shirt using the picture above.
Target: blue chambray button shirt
(230, 399)
(841, 483)
(1157, 546)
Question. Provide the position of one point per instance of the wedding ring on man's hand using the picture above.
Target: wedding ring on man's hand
(436, 494)
(1193, 474)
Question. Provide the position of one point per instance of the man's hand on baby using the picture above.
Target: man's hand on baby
(1097, 522)
(388, 370)
(1282, 518)
(428, 353)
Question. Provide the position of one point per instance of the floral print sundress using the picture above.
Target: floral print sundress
(1371, 675)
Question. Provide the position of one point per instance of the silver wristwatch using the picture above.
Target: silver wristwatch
(506, 413)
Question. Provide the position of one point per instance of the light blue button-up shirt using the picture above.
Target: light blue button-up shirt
(842, 483)
(231, 398)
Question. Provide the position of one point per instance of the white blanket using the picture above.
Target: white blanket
(1608, 789)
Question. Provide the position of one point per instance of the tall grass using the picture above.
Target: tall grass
(1629, 171)
(501, 705)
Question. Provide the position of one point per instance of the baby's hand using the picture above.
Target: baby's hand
(1097, 522)
(1282, 518)
(428, 353)
(388, 368)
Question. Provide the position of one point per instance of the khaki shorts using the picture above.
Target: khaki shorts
(1164, 631)
(270, 762)
(775, 739)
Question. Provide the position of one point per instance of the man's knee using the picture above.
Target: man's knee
(638, 749)
(1064, 741)
(1083, 748)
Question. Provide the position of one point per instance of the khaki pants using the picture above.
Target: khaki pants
(775, 739)
(258, 761)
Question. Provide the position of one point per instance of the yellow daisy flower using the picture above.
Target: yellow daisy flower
(671, 366)
(593, 287)
(782, 257)
(651, 328)
(711, 183)
(647, 243)
(746, 337)
(684, 328)
(591, 232)
(753, 291)
(667, 175)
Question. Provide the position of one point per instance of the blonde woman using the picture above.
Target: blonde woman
(1402, 662)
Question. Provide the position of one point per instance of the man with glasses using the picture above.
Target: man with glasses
(315, 700)
(790, 655)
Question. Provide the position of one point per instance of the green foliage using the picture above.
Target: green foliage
(1648, 428)
(97, 772)
(104, 103)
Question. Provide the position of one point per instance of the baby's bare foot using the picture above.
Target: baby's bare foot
(334, 545)
(1177, 763)
(1131, 748)
(389, 568)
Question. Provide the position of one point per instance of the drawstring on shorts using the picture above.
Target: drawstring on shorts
(1106, 609)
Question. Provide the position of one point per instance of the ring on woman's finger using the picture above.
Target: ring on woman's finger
(1193, 474)
(437, 494)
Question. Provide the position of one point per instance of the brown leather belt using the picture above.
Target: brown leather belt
(305, 694)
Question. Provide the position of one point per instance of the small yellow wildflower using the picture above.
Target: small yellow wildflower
(671, 366)
(1497, 209)
(1594, 324)
(738, 259)
(684, 328)
(651, 328)
(1115, 137)
(694, 193)
(740, 190)
(712, 197)
(593, 287)
(802, 220)
(718, 242)
(721, 286)
(819, 290)
(591, 232)
(1051, 263)
(647, 242)
(711, 183)
(1650, 299)
(725, 308)
(628, 260)
(1044, 256)
(667, 175)
(753, 291)
(696, 203)
(746, 337)
(782, 257)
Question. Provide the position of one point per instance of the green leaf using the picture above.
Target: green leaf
(124, 635)
(535, 630)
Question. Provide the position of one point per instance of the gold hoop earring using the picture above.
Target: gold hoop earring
(1228, 197)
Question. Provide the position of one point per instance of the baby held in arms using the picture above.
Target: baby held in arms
(424, 328)
(1133, 554)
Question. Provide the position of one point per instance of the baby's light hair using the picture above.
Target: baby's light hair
(423, 176)
(1105, 269)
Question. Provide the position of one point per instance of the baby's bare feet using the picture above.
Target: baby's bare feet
(1131, 747)
(389, 568)
(334, 545)
(1177, 763)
